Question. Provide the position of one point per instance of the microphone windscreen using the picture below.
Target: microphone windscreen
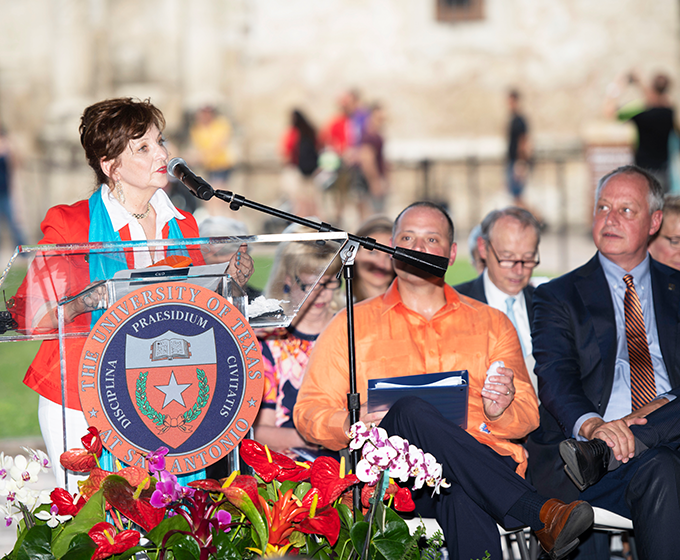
(174, 162)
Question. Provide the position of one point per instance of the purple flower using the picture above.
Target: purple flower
(222, 520)
(164, 494)
(156, 459)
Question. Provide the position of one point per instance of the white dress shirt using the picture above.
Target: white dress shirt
(120, 217)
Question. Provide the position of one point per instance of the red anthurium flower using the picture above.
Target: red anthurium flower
(92, 442)
(110, 542)
(403, 500)
(134, 475)
(402, 496)
(326, 522)
(66, 503)
(78, 460)
(326, 476)
(83, 460)
(270, 465)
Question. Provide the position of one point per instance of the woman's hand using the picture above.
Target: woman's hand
(241, 265)
(96, 297)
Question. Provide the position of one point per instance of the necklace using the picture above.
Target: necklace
(144, 215)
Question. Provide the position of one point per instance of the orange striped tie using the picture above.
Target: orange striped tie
(642, 384)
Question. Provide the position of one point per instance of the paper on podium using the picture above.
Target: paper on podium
(447, 391)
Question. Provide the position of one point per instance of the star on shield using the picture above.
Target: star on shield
(173, 390)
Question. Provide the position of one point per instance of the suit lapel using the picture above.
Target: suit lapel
(529, 300)
(477, 292)
(666, 292)
(594, 291)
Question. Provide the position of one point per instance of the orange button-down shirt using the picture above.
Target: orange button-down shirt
(393, 340)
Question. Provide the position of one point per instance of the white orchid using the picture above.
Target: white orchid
(24, 471)
(40, 457)
(7, 516)
(52, 517)
(380, 453)
(6, 463)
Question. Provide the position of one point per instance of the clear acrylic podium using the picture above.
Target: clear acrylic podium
(44, 286)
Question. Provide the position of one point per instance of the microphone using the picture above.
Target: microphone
(179, 169)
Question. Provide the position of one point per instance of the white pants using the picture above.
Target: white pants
(51, 426)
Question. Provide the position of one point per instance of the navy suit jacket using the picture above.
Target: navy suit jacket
(574, 343)
(475, 290)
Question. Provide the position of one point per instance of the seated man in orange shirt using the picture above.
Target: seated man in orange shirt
(421, 325)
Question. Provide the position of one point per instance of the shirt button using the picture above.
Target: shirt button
(432, 352)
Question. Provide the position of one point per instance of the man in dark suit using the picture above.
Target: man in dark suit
(591, 366)
(508, 245)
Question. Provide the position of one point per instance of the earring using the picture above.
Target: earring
(286, 289)
(119, 192)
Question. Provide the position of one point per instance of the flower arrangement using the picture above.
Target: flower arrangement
(285, 508)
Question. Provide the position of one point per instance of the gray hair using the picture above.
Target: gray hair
(472, 241)
(523, 216)
(655, 194)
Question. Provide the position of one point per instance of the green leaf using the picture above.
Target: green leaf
(297, 539)
(226, 549)
(36, 544)
(186, 549)
(287, 485)
(81, 547)
(176, 523)
(301, 489)
(391, 550)
(345, 515)
(91, 514)
(128, 553)
(358, 536)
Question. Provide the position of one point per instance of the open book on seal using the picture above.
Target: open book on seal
(447, 391)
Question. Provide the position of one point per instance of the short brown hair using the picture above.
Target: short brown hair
(107, 127)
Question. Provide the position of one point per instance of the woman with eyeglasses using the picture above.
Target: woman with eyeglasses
(286, 351)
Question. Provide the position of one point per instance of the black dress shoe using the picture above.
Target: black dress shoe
(586, 462)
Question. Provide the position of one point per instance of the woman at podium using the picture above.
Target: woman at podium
(124, 145)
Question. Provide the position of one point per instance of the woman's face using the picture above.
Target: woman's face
(374, 268)
(319, 301)
(143, 162)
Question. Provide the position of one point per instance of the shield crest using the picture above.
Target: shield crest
(171, 379)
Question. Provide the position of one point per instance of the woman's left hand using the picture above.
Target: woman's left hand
(241, 265)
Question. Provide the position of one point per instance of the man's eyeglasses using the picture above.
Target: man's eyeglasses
(331, 284)
(509, 263)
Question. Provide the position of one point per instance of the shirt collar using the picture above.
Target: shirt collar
(615, 273)
(392, 297)
(495, 297)
(120, 217)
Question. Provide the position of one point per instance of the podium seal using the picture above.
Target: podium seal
(172, 365)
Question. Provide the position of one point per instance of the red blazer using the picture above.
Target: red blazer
(71, 224)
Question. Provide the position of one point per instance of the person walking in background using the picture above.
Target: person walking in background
(7, 161)
(211, 141)
(665, 245)
(653, 117)
(371, 184)
(519, 150)
(299, 148)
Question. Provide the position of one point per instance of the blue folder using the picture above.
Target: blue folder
(447, 391)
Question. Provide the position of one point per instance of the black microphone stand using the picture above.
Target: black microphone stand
(432, 264)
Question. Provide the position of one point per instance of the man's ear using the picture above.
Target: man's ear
(657, 217)
(481, 247)
(453, 253)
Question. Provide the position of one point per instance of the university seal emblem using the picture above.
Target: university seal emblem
(172, 365)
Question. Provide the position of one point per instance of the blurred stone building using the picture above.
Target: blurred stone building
(442, 68)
